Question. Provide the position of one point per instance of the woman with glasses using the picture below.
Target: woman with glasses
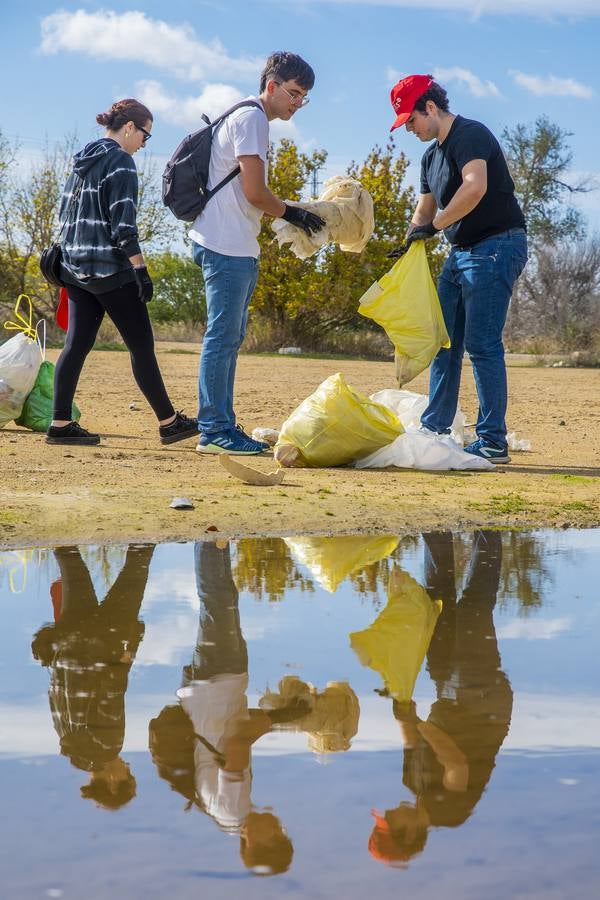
(104, 272)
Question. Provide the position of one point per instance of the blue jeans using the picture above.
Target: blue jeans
(475, 288)
(229, 282)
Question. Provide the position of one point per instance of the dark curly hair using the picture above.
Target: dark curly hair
(437, 94)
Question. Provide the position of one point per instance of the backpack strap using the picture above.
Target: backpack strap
(214, 126)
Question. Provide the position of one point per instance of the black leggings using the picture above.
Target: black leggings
(131, 318)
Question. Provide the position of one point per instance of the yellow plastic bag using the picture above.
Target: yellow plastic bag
(405, 303)
(331, 559)
(396, 643)
(335, 426)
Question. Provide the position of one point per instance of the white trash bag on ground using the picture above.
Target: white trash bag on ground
(421, 449)
(347, 208)
(20, 359)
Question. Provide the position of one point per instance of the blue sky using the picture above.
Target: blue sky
(502, 62)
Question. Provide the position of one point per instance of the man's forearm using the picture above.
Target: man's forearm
(464, 201)
(267, 202)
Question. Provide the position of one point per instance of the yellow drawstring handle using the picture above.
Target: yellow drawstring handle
(24, 323)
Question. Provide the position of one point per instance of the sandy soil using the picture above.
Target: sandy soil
(122, 489)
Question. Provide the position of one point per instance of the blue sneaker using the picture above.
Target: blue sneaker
(488, 451)
(233, 441)
(248, 437)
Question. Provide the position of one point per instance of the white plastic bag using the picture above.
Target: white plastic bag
(421, 449)
(20, 359)
(410, 406)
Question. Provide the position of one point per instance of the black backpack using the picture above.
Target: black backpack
(185, 177)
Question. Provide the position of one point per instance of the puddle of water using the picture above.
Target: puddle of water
(399, 716)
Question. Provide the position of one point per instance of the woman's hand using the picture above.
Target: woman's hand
(144, 284)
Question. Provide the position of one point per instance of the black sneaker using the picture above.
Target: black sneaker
(70, 434)
(181, 427)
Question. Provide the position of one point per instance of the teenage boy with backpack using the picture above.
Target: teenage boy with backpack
(225, 242)
(466, 192)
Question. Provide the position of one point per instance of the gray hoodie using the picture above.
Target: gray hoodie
(101, 233)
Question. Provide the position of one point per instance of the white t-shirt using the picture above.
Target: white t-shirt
(229, 224)
(216, 708)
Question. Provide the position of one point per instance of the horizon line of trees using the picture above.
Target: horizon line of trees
(312, 303)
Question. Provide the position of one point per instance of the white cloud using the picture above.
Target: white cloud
(542, 8)
(134, 36)
(534, 630)
(186, 111)
(214, 99)
(393, 75)
(551, 86)
(472, 82)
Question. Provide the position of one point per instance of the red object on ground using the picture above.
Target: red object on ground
(56, 597)
(62, 313)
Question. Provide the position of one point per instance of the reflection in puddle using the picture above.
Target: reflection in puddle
(190, 711)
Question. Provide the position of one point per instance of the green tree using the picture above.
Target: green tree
(178, 289)
(539, 158)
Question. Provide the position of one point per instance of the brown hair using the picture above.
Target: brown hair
(123, 111)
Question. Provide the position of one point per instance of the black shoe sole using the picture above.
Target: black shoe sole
(74, 442)
(180, 436)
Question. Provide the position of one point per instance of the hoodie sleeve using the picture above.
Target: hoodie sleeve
(120, 190)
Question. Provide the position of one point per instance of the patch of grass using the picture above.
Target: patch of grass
(110, 345)
(507, 504)
(502, 504)
(573, 479)
(7, 517)
(181, 351)
(578, 504)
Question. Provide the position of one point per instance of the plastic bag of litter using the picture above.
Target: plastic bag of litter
(410, 406)
(406, 305)
(20, 360)
(347, 208)
(418, 448)
(335, 426)
(38, 409)
(426, 451)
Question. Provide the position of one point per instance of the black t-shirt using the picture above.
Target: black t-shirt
(441, 168)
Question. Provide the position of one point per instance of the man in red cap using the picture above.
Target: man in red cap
(466, 192)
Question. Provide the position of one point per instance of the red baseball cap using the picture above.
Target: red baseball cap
(405, 94)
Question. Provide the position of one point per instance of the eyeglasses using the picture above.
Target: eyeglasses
(146, 134)
(297, 99)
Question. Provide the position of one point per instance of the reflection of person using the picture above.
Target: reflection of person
(225, 244)
(466, 191)
(450, 756)
(202, 746)
(104, 272)
(90, 649)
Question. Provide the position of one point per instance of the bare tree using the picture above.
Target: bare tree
(558, 295)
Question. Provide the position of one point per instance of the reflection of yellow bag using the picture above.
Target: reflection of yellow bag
(396, 643)
(331, 559)
(405, 303)
(337, 425)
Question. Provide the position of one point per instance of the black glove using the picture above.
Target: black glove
(414, 233)
(144, 284)
(302, 218)
(420, 233)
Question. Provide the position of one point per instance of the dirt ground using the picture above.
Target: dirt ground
(121, 490)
